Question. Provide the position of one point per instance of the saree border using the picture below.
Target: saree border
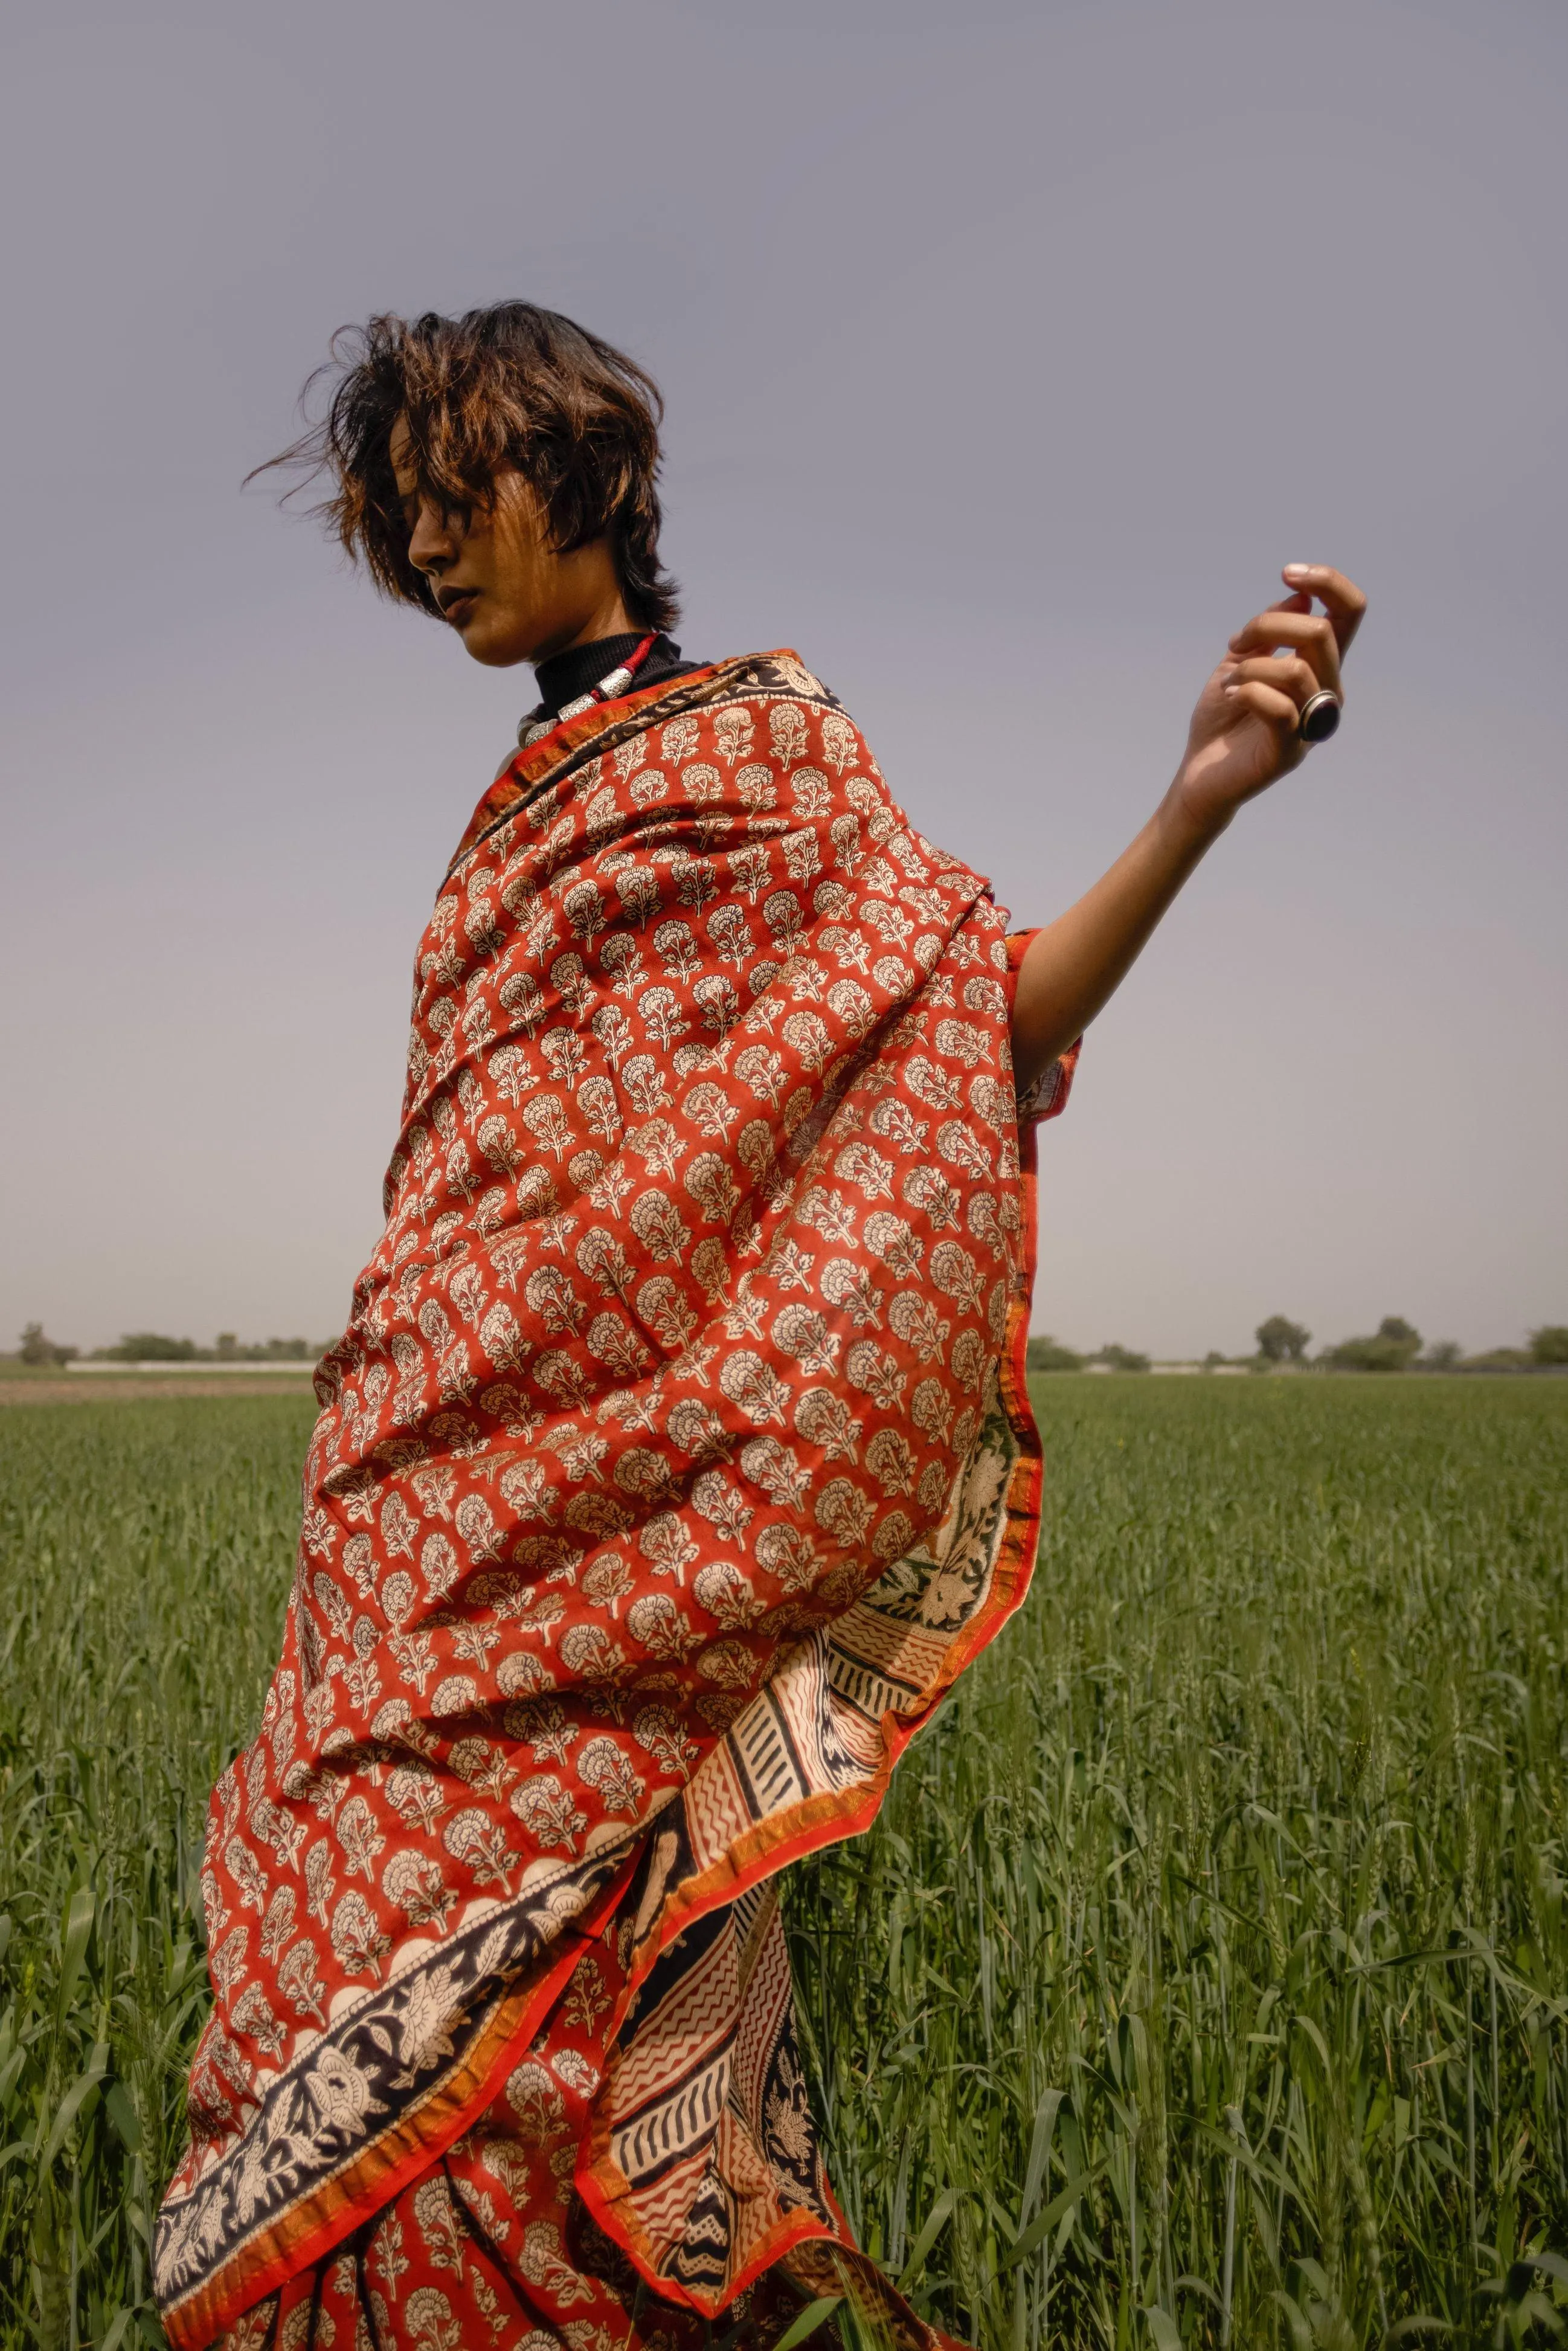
(830, 1819)
(343, 2202)
(557, 756)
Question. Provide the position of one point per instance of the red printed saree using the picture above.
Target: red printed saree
(674, 1463)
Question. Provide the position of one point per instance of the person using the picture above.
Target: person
(677, 1457)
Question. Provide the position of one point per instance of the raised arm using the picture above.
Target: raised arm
(1243, 737)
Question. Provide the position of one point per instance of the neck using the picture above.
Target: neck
(608, 618)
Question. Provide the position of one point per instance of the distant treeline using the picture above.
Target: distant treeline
(157, 1347)
(1395, 1346)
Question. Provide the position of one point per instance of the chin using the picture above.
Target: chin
(492, 648)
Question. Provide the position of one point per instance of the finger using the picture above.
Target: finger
(1268, 702)
(1341, 599)
(1309, 634)
(1286, 673)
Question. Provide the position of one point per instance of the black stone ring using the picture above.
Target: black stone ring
(1320, 717)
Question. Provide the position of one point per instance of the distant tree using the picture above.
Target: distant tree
(151, 1347)
(1550, 1343)
(39, 1349)
(1213, 1360)
(1047, 1354)
(1442, 1356)
(227, 1346)
(1281, 1341)
(1121, 1359)
(1393, 1348)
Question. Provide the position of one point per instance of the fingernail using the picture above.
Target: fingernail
(1300, 571)
(1231, 689)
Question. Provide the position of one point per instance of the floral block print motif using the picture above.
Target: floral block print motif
(674, 1462)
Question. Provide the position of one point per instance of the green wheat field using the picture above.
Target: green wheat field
(1204, 1982)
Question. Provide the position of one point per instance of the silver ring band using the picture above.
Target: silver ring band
(1320, 717)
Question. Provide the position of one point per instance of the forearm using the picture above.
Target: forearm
(1073, 966)
(1245, 733)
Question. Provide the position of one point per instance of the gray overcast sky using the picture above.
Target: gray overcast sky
(1008, 350)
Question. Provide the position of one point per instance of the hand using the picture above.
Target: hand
(1243, 736)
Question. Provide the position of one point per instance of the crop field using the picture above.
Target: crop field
(1205, 1980)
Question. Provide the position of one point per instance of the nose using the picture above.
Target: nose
(433, 542)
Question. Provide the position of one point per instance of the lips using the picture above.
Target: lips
(456, 603)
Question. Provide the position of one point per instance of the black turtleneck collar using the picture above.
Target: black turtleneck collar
(566, 676)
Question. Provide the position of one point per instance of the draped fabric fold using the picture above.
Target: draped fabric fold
(674, 1463)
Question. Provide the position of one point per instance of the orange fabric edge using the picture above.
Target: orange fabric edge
(828, 1820)
(567, 734)
(345, 2203)
(532, 763)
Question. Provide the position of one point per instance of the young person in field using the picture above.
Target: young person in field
(676, 1456)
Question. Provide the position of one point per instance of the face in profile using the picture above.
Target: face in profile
(495, 578)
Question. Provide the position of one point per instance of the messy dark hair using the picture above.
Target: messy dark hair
(514, 386)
